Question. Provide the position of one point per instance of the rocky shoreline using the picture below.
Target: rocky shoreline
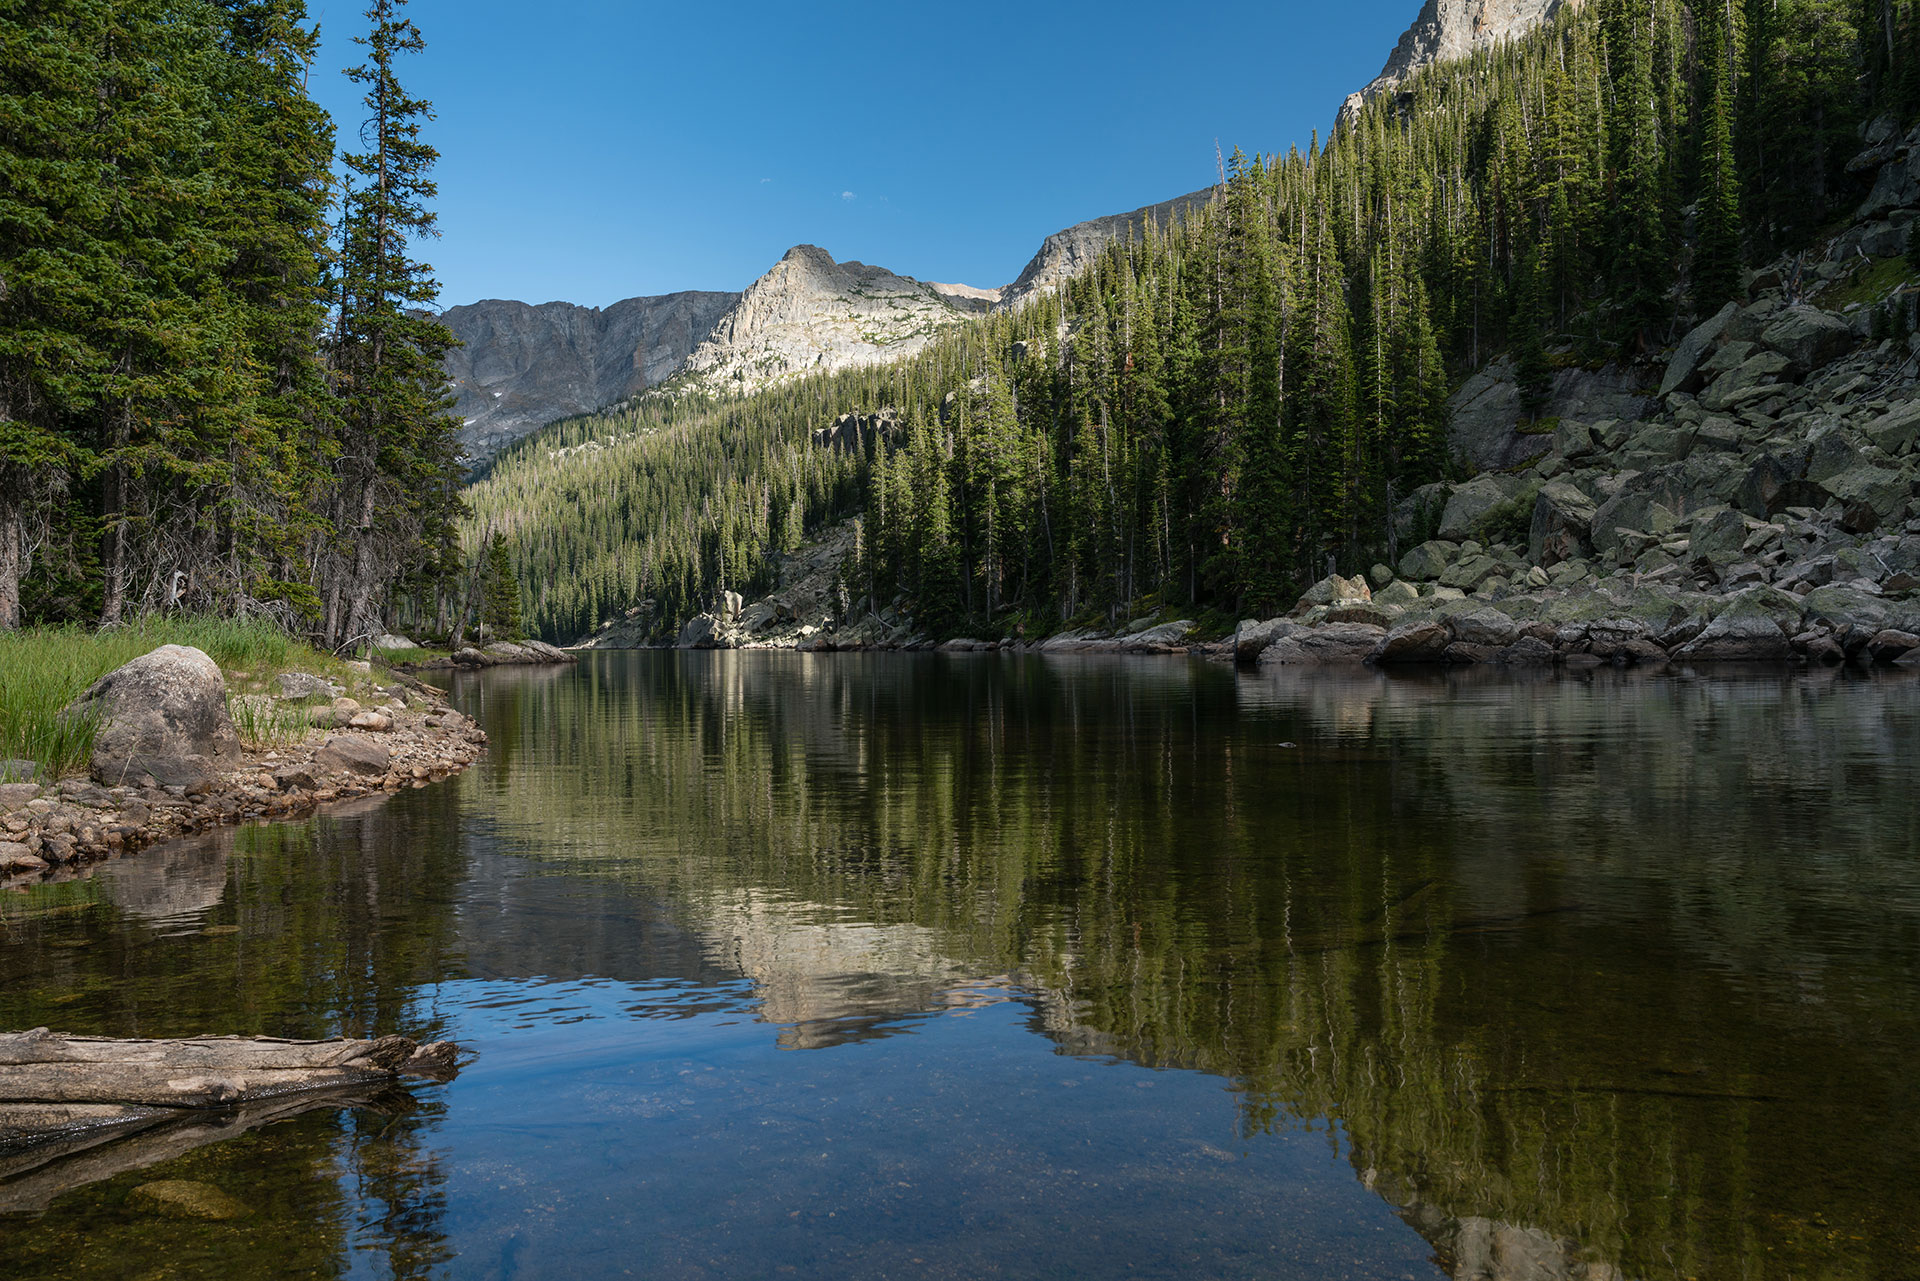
(499, 654)
(409, 738)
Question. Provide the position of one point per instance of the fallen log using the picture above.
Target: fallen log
(53, 1085)
(31, 1177)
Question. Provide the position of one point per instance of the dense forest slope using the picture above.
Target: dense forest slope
(1207, 418)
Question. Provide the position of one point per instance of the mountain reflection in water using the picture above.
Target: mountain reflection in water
(1594, 978)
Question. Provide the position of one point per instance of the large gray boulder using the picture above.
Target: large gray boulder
(701, 632)
(1870, 497)
(162, 718)
(1473, 501)
(1419, 640)
(1562, 524)
(1429, 560)
(1748, 631)
(1255, 635)
(1898, 430)
(351, 754)
(1336, 644)
(1484, 427)
(1683, 369)
(1485, 626)
(1809, 337)
(1665, 495)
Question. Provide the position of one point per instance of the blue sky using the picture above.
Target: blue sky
(593, 150)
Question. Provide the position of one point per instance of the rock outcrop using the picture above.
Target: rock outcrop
(162, 719)
(1448, 29)
(523, 366)
(1066, 253)
(810, 314)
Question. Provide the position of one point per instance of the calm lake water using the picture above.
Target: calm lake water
(922, 966)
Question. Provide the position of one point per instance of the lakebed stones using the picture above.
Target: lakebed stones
(163, 717)
(187, 1199)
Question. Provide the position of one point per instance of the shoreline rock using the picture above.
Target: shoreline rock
(53, 830)
(498, 654)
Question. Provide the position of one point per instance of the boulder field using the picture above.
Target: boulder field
(1763, 510)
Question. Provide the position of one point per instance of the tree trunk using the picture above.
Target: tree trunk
(10, 555)
(39, 1067)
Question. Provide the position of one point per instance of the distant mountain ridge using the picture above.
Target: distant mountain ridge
(525, 366)
(810, 314)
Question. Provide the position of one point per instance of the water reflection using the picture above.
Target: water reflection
(1580, 978)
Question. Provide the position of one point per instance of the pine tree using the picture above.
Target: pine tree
(1533, 371)
(395, 443)
(500, 595)
(1716, 261)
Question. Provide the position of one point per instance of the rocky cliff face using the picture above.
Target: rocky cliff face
(525, 366)
(1453, 29)
(811, 314)
(1066, 253)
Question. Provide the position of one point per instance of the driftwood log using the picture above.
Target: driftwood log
(54, 1086)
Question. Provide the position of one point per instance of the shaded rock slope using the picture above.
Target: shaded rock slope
(523, 366)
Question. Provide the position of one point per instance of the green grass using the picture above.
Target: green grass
(44, 669)
(1871, 286)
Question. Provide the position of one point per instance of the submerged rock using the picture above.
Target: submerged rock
(186, 1199)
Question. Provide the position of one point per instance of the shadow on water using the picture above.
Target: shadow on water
(1599, 977)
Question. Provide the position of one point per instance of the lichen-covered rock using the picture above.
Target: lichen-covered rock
(1897, 430)
(1429, 560)
(1483, 626)
(1398, 592)
(162, 718)
(1423, 640)
(1870, 497)
(1473, 501)
(1562, 524)
(1808, 337)
(1683, 369)
(1470, 574)
(1335, 644)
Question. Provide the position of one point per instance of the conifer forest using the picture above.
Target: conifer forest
(218, 390)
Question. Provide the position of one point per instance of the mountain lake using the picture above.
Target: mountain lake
(963, 966)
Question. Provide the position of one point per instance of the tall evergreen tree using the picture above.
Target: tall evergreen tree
(395, 446)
